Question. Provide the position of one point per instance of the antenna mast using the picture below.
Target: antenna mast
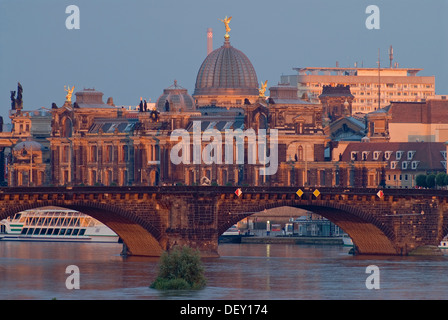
(379, 81)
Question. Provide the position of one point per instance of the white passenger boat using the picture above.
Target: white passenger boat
(232, 231)
(348, 242)
(55, 224)
(444, 243)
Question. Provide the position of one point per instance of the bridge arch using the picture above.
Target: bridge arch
(139, 236)
(369, 235)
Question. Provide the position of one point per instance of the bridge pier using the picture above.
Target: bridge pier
(205, 243)
(124, 250)
(426, 251)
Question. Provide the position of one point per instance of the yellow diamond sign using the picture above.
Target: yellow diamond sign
(299, 192)
(316, 193)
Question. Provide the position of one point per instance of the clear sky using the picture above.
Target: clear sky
(136, 48)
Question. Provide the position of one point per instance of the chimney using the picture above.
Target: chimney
(209, 40)
(391, 56)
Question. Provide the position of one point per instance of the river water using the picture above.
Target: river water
(31, 270)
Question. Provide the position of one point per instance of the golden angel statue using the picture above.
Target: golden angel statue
(226, 23)
(68, 97)
(262, 89)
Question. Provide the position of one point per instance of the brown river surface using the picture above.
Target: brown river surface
(37, 271)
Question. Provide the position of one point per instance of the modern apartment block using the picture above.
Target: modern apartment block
(367, 85)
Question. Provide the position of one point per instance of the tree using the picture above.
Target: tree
(420, 180)
(180, 269)
(440, 179)
(446, 180)
(431, 180)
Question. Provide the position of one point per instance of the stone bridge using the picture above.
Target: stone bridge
(150, 220)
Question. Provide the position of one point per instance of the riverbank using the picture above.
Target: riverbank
(283, 240)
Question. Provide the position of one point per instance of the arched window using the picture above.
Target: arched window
(262, 121)
(67, 128)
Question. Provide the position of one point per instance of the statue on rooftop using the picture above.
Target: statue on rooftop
(13, 100)
(19, 94)
(226, 23)
(68, 97)
(262, 89)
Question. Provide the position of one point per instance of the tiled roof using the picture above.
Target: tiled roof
(431, 111)
(110, 125)
(219, 125)
(416, 155)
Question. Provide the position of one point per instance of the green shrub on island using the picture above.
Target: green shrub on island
(180, 269)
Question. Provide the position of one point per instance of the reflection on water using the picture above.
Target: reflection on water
(31, 270)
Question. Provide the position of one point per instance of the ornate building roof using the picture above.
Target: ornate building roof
(178, 99)
(226, 71)
(336, 91)
(28, 145)
(90, 98)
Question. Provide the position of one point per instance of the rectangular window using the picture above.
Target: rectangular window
(393, 165)
(93, 154)
(410, 155)
(109, 153)
(365, 154)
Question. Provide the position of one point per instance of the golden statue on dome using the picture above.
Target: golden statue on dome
(68, 97)
(262, 89)
(226, 23)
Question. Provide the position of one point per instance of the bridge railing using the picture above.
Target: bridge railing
(220, 189)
